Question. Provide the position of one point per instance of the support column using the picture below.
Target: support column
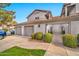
(45, 28)
(22, 30)
(65, 10)
(69, 27)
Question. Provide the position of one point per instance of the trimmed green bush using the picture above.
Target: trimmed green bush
(33, 36)
(50, 32)
(39, 35)
(48, 37)
(78, 39)
(63, 32)
(69, 40)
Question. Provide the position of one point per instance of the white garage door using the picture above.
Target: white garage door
(28, 31)
(18, 31)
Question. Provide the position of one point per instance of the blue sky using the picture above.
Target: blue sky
(24, 9)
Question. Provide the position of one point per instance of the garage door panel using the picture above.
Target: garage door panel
(18, 30)
(28, 31)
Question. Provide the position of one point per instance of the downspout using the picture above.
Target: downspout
(69, 27)
(65, 10)
(45, 27)
(22, 27)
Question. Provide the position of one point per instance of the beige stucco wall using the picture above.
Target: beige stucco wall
(56, 28)
(77, 7)
(73, 11)
(39, 29)
(48, 27)
(74, 27)
(41, 16)
(65, 27)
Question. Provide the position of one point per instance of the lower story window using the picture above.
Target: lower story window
(39, 25)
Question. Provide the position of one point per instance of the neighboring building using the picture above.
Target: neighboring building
(43, 21)
(70, 9)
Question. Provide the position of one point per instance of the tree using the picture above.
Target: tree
(0, 23)
(6, 17)
(14, 22)
(3, 5)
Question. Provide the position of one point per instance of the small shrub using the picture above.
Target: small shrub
(69, 40)
(33, 36)
(50, 32)
(63, 32)
(78, 39)
(48, 37)
(39, 35)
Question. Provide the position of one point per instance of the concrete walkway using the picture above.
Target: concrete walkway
(56, 48)
(52, 49)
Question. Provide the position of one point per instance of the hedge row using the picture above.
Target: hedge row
(69, 40)
(40, 36)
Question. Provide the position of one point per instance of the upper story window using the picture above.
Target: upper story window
(36, 17)
(47, 16)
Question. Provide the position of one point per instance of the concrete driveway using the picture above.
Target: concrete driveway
(52, 49)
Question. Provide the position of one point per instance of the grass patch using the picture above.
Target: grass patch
(17, 51)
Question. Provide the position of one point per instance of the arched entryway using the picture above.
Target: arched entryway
(58, 30)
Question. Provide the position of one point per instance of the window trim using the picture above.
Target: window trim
(36, 17)
(38, 25)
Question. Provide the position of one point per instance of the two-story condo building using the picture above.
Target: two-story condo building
(43, 21)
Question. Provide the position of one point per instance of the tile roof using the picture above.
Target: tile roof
(24, 24)
(54, 19)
